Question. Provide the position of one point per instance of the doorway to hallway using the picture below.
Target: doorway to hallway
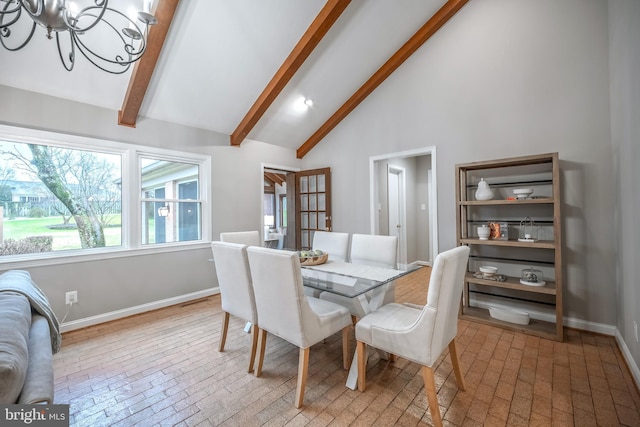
(403, 202)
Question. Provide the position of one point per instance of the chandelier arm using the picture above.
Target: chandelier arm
(72, 25)
(72, 54)
(100, 61)
(38, 10)
(26, 41)
(133, 53)
(9, 23)
(6, 11)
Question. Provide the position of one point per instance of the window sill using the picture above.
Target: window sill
(58, 258)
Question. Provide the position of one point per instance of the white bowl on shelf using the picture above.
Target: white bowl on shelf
(509, 315)
(488, 270)
(522, 193)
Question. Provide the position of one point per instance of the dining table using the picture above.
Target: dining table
(366, 283)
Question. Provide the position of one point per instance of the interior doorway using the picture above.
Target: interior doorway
(403, 193)
(397, 219)
(295, 203)
(278, 219)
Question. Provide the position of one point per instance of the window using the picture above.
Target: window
(171, 204)
(56, 198)
(66, 195)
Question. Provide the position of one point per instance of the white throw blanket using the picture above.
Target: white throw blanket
(20, 281)
(380, 274)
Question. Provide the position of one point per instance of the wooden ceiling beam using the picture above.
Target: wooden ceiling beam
(144, 67)
(275, 178)
(418, 39)
(310, 39)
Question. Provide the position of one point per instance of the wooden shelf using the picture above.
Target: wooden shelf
(535, 327)
(539, 171)
(505, 202)
(513, 283)
(541, 244)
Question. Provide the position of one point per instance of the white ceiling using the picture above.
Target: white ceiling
(220, 54)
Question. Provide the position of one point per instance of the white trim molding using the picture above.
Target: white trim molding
(130, 311)
(633, 366)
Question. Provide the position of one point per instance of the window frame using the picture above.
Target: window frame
(131, 154)
(175, 200)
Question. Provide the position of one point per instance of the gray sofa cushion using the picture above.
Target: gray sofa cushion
(15, 321)
(38, 384)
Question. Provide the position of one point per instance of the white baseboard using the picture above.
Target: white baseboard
(583, 325)
(130, 311)
(485, 302)
(633, 367)
(423, 263)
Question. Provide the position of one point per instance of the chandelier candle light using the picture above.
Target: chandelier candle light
(85, 22)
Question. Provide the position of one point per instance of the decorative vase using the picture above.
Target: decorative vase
(483, 232)
(484, 192)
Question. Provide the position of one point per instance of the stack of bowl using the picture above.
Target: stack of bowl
(488, 271)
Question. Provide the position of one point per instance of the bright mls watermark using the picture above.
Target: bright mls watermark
(34, 415)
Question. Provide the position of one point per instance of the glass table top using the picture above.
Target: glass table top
(351, 280)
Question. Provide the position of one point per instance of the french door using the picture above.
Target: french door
(312, 204)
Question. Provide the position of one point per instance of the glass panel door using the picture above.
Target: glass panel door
(313, 192)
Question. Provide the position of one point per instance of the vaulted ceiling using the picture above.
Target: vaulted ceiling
(241, 67)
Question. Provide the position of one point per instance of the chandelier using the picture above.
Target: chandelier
(117, 39)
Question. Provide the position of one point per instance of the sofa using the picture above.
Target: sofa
(29, 336)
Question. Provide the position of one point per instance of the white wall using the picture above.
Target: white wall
(501, 79)
(624, 21)
(238, 183)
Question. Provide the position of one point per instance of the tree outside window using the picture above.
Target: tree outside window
(56, 198)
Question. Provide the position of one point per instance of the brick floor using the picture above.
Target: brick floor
(163, 368)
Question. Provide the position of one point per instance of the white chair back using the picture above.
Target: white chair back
(334, 243)
(280, 301)
(285, 311)
(234, 279)
(445, 291)
(438, 324)
(370, 249)
(249, 238)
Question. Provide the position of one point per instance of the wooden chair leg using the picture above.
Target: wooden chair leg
(354, 320)
(254, 346)
(303, 365)
(392, 357)
(223, 332)
(262, 343)
(346, 360)
(455, 361)
(362, 364)
(432, 396)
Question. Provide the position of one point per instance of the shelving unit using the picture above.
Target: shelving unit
(543, 303)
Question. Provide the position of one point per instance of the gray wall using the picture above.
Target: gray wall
(624, 21)
(501, 79)
(137, 280)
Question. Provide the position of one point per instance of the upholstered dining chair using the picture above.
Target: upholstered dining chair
(420, 334)
(236, 290)
(285, 311)
(249, 238)
(376, 250)
(334, 243)
(373, 250)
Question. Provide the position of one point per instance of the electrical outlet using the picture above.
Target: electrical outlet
(635, 330)
(71, 297)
